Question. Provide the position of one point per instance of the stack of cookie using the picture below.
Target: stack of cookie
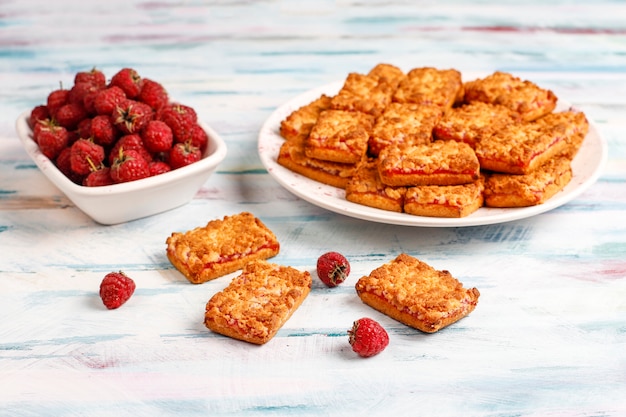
(426, 143)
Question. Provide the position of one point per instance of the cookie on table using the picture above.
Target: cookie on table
(387, 73)
(366, 188)
(292, 156)
(363, 93)
(403, 124)
(440, 162)
(521, 96)
(572, 124)
(451, 201)
(257, 303)
(221, 247)
(505, 190)
(519, 148)
(431, 87)
(298, 124)
(339, 136)
(470, 122)
(414, 293)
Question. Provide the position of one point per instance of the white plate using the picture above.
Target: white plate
(586, 167)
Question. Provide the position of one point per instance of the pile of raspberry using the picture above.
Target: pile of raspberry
(100, 133)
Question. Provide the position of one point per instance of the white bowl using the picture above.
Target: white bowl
(124, 202)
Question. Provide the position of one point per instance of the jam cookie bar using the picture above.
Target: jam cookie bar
(451, 201)
(414, 293)
(257, 303)
(363, 93)
(431, 87)
(572, 124)
(221, 247)
(387, 73)
(403, 124)
(523, 97)
(505, 190)
(339, 136)
(291, 155)
(299, 123)
(366, 188)
(519, 148)
(440, 162)
(470, 122)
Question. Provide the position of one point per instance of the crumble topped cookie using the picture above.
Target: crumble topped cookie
(414, 293)
(387, 73)
(293, 157)
(366, 188)
(470, 122)
(339, 136)
(257, 303)
(403, 124)
(299, 123)
(430, 86)
(505, 190)
(519, 148)
(363, 93)
(437, 163)
(221, 247)
(572, 124)
(452, 201)
(521, 96)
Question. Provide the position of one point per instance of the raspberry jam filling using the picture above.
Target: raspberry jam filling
(229, 258)
(438, 171)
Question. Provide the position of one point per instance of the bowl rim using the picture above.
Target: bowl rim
(214, 154)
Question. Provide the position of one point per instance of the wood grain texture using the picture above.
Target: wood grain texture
(548, 337)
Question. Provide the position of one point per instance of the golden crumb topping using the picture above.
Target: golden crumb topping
(258, 302)
(294, 151)
(450, 195)
(528, 184)
(404, 123)
(363, 93)
(434, 157)
(367, 181)
(430, 86)
(470, 122)
(387, 73)
(300, 122)
(521, 96)
(220, 241)
(415, 287)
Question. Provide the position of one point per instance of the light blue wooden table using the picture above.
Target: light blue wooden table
(548, 337)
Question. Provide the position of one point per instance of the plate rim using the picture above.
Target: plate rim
(269, 137)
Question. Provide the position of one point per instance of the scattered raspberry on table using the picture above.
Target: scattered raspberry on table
(367, 337)
(332, 268)
(115, 289)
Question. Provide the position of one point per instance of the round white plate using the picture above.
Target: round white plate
(586, 167)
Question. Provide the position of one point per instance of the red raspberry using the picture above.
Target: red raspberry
(52, 139)
(38, 113)
(56, 99)
(332, 268)
(131, 116)
(367, 337)
(84, 128)
(128, 80)
(180, 119)
(70, 115)
(158, 167)
(153, 94)
(102, 130)
(127, 143)
(105, 101)
(115, 289)
(98, 178)
(86, 156)
(199, 137)
(94, 77)
(183, 154)
(129, 166)
(65, 166)
(157, 136)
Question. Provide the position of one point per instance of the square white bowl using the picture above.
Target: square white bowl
(119, 203)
